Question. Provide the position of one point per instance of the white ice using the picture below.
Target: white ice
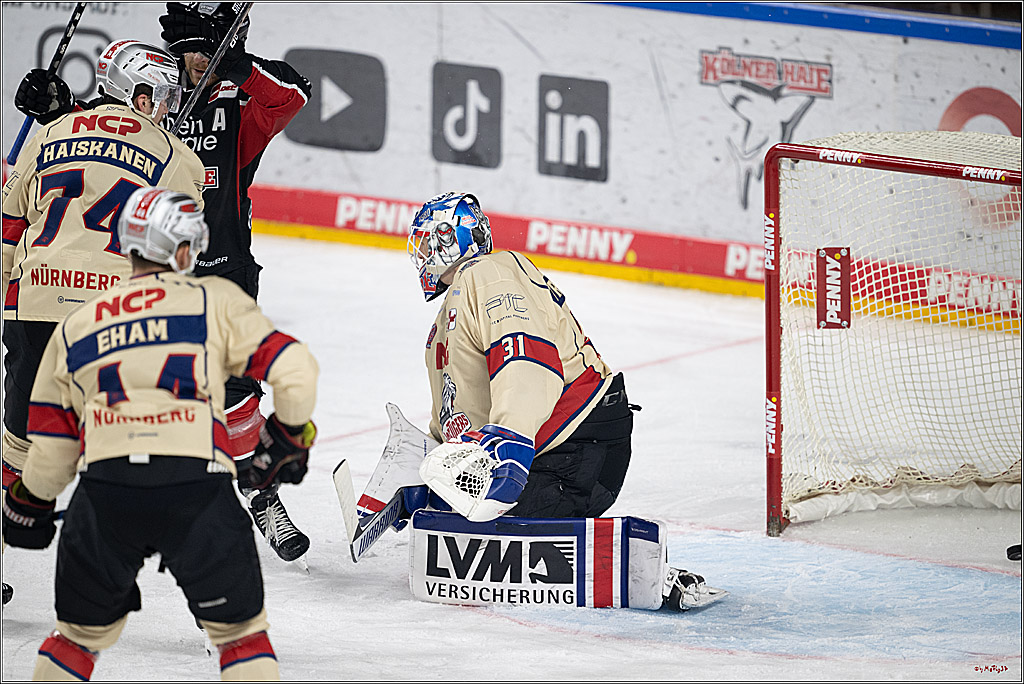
(918, 595)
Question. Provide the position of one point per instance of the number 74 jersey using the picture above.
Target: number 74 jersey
(63, 198)
(506, 349)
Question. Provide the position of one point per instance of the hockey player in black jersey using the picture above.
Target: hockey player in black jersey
(246, 102)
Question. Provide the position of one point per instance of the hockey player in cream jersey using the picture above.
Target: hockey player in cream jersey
(61, 203)
(507, 360)
(532, 422)
(509, 366)
(131, 389)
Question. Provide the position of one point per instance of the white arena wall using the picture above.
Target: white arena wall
(621, 140)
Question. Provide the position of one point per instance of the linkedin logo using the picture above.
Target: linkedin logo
(573, 128)
(466, 127)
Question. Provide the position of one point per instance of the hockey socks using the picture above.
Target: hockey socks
(62, 660)
(250, 658)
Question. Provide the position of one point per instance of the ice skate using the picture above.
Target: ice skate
(272, 519)
(686, 590)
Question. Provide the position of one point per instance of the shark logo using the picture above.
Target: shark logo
(770, 96)
(556, 561)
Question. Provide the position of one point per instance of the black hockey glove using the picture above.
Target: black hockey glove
(282, 454)
(187, 30)
(29, 522)
(43, 97)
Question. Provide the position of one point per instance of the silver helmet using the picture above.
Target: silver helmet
(447, 229)
(155, 221)
(127, 64)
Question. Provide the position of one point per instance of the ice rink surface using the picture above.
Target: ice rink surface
(904, 595)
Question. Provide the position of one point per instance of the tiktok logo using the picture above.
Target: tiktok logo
(573, 127)
(467, 115)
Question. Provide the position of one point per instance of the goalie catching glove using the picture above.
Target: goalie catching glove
(482, 475)
(29, 522)
(283, 453)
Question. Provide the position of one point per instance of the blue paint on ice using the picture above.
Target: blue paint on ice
(796, 599)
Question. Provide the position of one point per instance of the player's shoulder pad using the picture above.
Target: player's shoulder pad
(486, 268)
(222, 288)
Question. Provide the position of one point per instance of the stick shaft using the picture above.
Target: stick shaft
(214, 61)
(58, 57)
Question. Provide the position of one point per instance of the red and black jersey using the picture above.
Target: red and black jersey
(229, 128)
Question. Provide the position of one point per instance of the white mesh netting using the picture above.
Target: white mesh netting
(467, 468)
(924, 386)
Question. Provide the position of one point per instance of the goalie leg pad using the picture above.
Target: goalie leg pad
(62, 660)
(586, 562)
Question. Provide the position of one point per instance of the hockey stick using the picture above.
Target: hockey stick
(214, 61)
(347, 498)
(373, 527)
(58, 57)
(363, 533)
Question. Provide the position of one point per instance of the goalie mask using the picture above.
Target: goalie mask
(128, 68)
(155, 221)
(447, 229)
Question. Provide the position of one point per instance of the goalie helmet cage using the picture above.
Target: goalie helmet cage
(892, 311)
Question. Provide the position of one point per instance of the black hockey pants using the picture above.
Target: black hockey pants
(121, 513)
(582, 477)
(25, 342)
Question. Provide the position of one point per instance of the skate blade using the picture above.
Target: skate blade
(709, 596)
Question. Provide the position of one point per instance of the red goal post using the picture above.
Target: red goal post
(893, 323)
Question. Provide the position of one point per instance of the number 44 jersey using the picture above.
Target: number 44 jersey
(506, 349)
(62, 200)
(140, 369)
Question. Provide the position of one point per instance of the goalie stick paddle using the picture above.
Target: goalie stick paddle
(214, 61)
(347, 498)
(58, 57)
(362, 534)
(373, 527)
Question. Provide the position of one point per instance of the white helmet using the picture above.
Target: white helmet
(155, 221)
(447, 229)
(127, 64)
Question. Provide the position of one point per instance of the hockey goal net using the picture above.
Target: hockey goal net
(893, 323)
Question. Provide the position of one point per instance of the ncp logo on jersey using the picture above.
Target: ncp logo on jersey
(573, 128)
(466, 126)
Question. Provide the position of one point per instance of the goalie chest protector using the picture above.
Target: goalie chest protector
(591, 562)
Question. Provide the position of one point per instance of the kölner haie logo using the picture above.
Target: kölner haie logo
(573, 125)
(466, 127)
(770, 95)
(348, 106)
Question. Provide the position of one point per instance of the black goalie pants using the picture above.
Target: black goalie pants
(582, 477)
(122, 513)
